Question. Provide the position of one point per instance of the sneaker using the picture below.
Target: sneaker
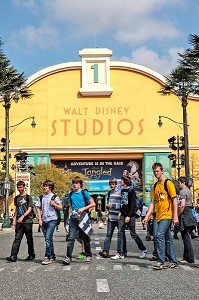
(30, 257)
(11, 258)
(117, 256)
(159, 266)
(153, 258)
(176, 237)
(183, 261)
(46, 261)
(143, 254)
(172, 266)
(81, 256)
(104, 254)
(53, 259)
(66, 261)
(88, 259)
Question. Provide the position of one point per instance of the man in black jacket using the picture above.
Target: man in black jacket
(127, 218)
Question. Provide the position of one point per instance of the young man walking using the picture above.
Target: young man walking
(80, 202)
(46, 209)
(187, 221)
(113, 206)
(165, 205)
(127, 218)
(22, 221)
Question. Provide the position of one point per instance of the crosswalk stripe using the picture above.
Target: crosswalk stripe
(32, 269)
(97, 242)
(134, 267)
(66, 268)
(186, 268)
(117, 267)
(100, 268)
(15, 270)
(102, 286)
(84, 268)
(50, 269)
(98, 248)
(96, 239)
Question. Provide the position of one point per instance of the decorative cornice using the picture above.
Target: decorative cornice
(97, 149)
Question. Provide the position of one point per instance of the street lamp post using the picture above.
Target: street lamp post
(7, 104)
(186, 140)
(183, 97)
(6, 223)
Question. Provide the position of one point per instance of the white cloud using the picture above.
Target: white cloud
(43, 37)
(151, 59)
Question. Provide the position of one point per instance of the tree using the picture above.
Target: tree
(62, 181)
(12, 83)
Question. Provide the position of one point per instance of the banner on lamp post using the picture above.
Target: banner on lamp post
(23, 177)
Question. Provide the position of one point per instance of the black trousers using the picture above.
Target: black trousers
(188, 254)
(20, 229)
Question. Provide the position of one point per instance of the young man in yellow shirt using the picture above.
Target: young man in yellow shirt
(165, 204)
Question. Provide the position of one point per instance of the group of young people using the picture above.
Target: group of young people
(121, 205)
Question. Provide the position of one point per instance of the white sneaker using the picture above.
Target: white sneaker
(46, 261)
(143, 254)
(117, 256)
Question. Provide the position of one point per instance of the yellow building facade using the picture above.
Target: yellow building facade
(100, 116)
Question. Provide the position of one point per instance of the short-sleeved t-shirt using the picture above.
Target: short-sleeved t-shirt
(162, 201)
(22, 204)
(48, 211)
(77, 200)
(185, 193)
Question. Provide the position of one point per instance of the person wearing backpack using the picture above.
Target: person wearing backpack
(46, 210)
(23, 223)
(187, 221)
(113, 205)
(127, 217)
(165, 203)
(80, 202)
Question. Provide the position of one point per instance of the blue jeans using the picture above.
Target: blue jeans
(164, 241)
(76, 232)
(121, 233)
(48, 230)
(110, 229)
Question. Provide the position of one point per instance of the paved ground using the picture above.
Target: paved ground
(129, 278)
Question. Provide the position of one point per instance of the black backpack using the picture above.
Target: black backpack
(58, 213)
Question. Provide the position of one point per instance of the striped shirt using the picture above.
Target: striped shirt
(115, 201)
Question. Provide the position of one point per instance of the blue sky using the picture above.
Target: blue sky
(41, 33)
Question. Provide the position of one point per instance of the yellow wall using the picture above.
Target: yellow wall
(61, 112)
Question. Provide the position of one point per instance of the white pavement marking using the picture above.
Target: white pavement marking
(15, 270)
(186, 268)
(100, 268)
(117, 267)
(32, 269)
(134, 267)
(97, 242)
(66, 268)
(1, 269)
(84, 268)
(49, 269)
(102, 286)
(99, 257)
(96, 239)
(98, 248)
